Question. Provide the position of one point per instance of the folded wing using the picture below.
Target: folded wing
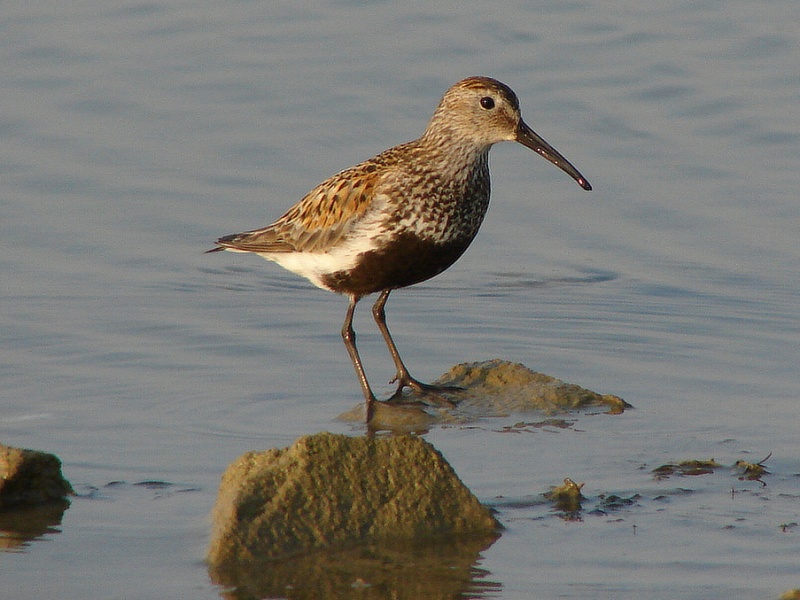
(315, 224)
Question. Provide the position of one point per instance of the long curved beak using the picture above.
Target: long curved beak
(529, 138)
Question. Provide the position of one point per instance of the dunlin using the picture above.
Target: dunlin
(403, 216)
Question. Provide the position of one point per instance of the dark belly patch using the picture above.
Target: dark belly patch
(405, 261)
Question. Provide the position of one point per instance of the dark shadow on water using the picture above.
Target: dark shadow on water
(502, 283)
(508, 280)
(22, 525)
(432, 570)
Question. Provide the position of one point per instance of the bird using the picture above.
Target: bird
(401, 217)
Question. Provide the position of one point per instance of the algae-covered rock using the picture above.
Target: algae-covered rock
(333, 490)
(491, 388)
(506, 387)
(30, 477)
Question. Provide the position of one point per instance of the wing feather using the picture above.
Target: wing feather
(318, 221)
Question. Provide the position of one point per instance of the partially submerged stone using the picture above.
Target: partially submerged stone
(686, 467)
(566, 498)
(30, 477)
(331, 490)
(490, 388)
(502, 387)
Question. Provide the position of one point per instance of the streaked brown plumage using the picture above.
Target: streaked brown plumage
(403, 216)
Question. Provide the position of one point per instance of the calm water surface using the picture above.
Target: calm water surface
(134, 134)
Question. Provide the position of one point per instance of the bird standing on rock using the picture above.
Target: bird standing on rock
(403, 216)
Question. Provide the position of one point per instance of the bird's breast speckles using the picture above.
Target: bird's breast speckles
(438, 204)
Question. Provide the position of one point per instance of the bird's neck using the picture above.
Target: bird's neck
(452, 156)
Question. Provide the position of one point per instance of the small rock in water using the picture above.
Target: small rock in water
(30, 477)
(333, 490)
(502, 387)
(567, 498)
(491, 388)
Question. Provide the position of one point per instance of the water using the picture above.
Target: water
(132, 135)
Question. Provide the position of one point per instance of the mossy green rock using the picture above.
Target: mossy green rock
(333, 490)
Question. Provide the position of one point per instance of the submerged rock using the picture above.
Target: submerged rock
(331, 490)
(30, 477)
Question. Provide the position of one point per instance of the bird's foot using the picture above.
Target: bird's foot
(426, 393)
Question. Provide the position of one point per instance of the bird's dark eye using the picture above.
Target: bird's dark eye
(487, 103)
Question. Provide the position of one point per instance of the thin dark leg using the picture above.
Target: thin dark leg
(349, 337)
(403, 377)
